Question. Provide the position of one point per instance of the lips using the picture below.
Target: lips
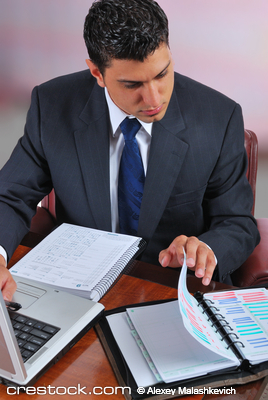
(154, 111)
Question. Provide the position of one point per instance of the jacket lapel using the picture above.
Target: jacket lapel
(167, 154)
(92, 144)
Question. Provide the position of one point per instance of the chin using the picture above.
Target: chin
(153, 118)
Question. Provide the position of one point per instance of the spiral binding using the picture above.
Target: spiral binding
(236, 341)
(106, 282)
(218, 320)
(221, 325)
(205, 300)
(207, 306)
(228, 334)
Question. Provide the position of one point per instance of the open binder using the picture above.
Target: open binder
(246, 363)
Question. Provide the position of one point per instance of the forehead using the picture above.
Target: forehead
(140, 71)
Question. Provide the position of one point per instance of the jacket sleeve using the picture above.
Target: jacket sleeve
(24, 181)
(232, 231)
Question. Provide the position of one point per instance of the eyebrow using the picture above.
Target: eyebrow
(127, 81)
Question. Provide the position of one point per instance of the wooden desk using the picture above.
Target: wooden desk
(86, 363)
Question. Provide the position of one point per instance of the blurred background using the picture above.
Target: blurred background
(223, 44)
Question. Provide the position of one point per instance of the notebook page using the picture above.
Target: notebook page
(176, 354)
(246, 311)
(73, 257)
(128, 346)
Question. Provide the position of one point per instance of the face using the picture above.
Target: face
(142, 89)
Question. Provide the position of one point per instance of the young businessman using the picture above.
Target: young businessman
(190, 142)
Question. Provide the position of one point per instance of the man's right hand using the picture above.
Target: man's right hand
(7, 283)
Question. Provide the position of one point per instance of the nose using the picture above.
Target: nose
(151, 95)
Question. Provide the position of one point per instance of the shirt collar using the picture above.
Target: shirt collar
(117, 116)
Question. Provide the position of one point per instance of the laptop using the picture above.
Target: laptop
(36, 336)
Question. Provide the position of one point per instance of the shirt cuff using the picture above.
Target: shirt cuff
(3, 253)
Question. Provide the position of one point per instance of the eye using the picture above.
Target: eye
(132, 85)
(164, 73)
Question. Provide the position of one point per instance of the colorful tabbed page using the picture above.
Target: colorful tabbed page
(196, 321)
(246, 311)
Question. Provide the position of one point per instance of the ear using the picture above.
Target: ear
(95, 72)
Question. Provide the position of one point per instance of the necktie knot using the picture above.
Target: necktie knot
(129, 128)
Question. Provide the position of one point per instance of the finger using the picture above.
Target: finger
(7, 284)
(205, 262)
(166, 256)
(210, 268)
(9, 289)
(173, 255)
(202, 254)
(191, 249)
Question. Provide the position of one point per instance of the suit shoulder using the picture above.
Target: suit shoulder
(200, 90)
(71, 83)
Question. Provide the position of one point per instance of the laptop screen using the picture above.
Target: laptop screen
(5, 359)
(11, 364)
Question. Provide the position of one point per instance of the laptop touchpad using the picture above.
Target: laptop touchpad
(27, 294)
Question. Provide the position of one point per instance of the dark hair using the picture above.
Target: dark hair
(124, 29)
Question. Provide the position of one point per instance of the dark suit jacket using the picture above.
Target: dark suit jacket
(195, 183)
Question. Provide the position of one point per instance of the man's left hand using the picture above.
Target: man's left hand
(199, 257)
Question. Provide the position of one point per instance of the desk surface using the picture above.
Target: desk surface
(86, 363)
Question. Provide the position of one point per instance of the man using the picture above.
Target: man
(190, 139)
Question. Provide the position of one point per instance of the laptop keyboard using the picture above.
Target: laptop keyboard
(31, 334)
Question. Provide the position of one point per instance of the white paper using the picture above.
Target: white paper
(128, 346)
(74, 257)
(176, 354)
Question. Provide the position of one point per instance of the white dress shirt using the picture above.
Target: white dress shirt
(116, 147)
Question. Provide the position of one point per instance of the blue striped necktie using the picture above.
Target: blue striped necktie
(131, 179)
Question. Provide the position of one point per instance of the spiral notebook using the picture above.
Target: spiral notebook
(218, 339)
(80, 260)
